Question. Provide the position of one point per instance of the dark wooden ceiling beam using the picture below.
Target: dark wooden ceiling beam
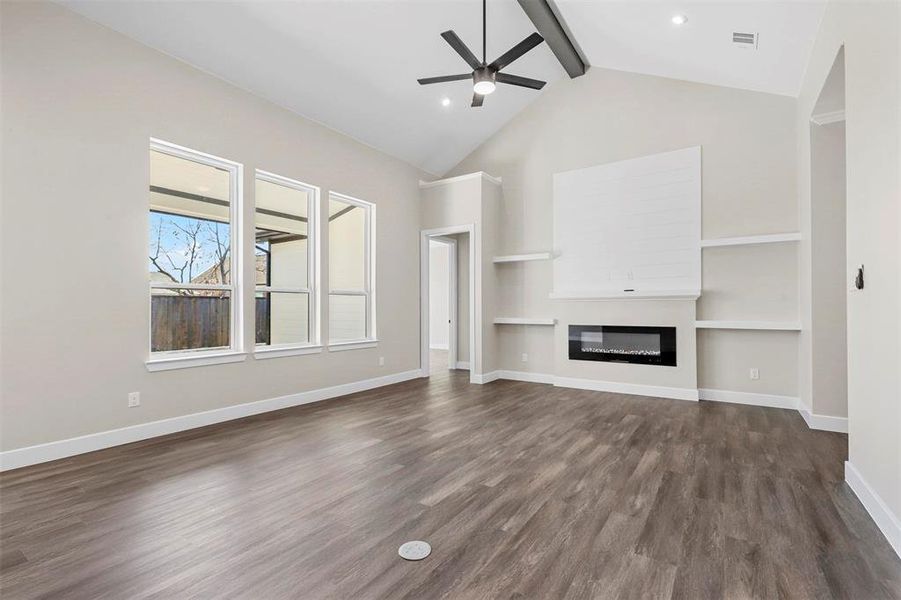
(550, 28)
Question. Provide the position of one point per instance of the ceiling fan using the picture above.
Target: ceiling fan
(485, 75)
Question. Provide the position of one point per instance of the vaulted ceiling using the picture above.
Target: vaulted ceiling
(352, 65)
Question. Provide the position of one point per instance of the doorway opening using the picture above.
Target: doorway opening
(447, 299)
(442, 303)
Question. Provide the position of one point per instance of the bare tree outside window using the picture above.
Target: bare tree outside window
(189, 250)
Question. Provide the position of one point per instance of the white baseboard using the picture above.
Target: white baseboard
(485, 377)
(824, 422)
(525, 376)
(814, 421)
(437, 346)
(750, 398)
(889, 523)
(593, 384)
(462, 365)
(32, 455)
(627, 388)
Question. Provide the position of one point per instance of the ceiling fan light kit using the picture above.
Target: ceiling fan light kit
(485, 76)
(483, 81)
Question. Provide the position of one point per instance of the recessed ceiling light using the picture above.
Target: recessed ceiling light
(679, 19)
(445, 102)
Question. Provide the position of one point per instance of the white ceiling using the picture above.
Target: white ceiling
(639, 36)
(352, 64)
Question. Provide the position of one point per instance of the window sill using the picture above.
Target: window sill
(168, 363)
(352, 345)
(278, 352)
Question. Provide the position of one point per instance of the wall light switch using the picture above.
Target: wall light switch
(525, 357)
(134, 399)
(754, 374)
(381, 361)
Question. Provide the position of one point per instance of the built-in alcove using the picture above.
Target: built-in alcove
(830, 275)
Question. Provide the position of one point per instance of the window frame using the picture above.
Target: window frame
(234, 352)
(369, 276)
(313, 271)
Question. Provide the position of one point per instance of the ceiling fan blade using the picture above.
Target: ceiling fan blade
(477, 100)
(444, 78)
(516, 51)
(520, 81)
(457, 44)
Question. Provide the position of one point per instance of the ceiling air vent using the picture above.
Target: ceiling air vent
(744, 40)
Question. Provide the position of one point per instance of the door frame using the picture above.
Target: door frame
(440, 235)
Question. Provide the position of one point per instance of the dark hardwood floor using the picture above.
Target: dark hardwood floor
(523, 490)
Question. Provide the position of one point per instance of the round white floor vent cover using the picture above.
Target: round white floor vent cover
(416, 550)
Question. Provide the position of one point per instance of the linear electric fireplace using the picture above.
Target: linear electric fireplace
(624, 344)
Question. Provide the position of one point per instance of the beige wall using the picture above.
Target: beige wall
(80, 104)
(748, 149)
(725, 356)
(869, 33)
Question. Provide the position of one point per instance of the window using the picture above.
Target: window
(285, 224)
(351, 227)
(194, 252)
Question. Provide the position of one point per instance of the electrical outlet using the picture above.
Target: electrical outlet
(134, 399)
(754, 374)
(525, 357)
(381, 361)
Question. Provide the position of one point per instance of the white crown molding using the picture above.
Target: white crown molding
(458, 178)
(887, 522)
(32, 455)
(825, 118)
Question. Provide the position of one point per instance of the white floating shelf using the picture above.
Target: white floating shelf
(752, 240)
(522, 321)
(759, 325)
(637, 295)
(523, 257)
